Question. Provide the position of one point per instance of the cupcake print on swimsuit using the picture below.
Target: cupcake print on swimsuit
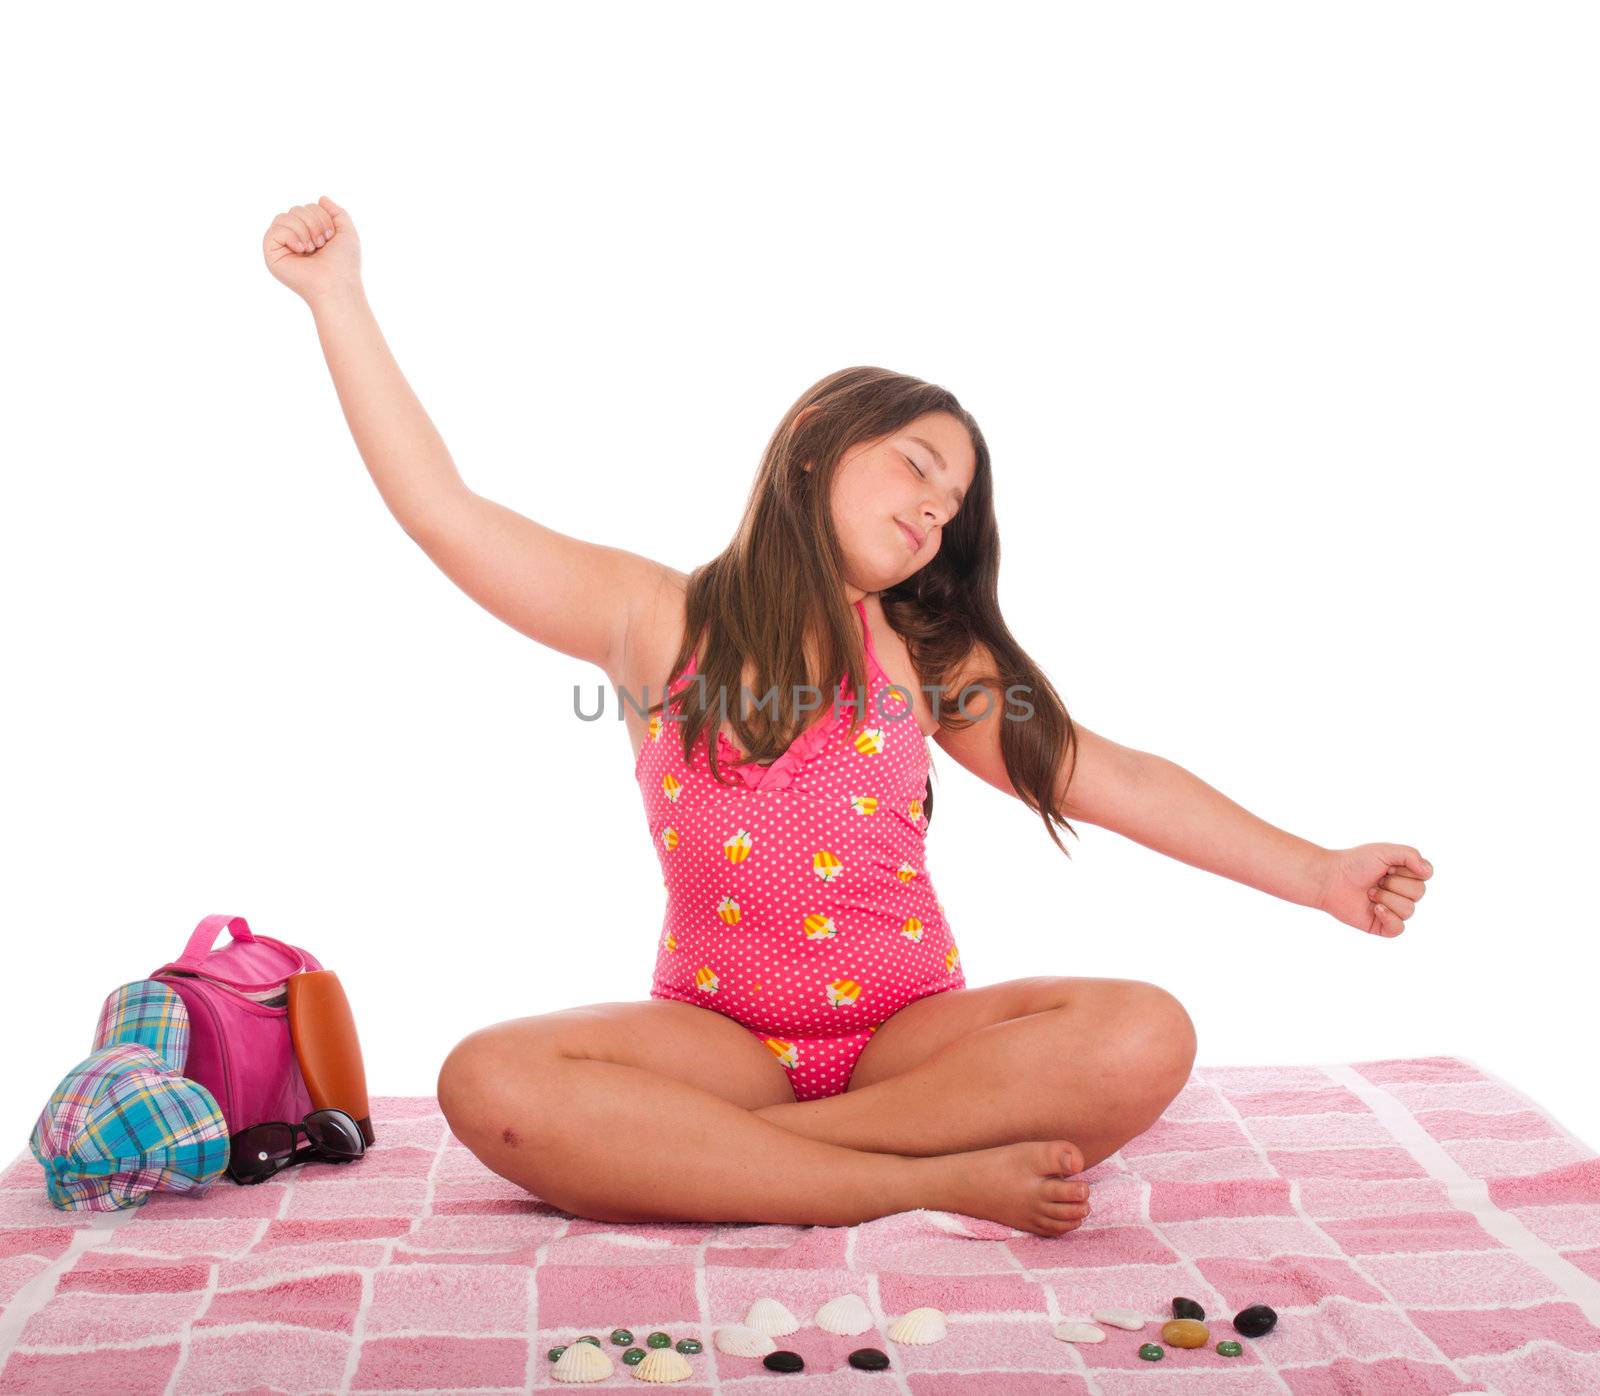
(798, 898)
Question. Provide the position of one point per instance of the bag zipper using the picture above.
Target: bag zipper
(222, 1051)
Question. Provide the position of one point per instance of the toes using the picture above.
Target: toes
(1067, 1211)
(1071, 1158)
(1065, 1190)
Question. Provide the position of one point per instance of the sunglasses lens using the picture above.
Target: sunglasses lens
(335, 1133)
(261, 1150)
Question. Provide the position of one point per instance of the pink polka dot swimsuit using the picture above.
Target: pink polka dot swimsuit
(798, 902)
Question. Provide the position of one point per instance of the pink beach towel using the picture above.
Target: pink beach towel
(1419, 1226)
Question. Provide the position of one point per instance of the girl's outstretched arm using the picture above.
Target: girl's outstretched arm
(1374, 887)
(576, 597)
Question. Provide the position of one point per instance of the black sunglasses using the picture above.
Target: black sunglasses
(255, 1154)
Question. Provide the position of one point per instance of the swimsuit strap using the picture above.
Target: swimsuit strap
(872, 653)
(866, 633)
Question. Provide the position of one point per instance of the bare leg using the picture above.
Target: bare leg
(622, 1143)
(1083, 1072)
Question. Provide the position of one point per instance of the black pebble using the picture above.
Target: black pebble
(1187, 1308)
(869, 1359)
(783, 1361)
(1255, 1320)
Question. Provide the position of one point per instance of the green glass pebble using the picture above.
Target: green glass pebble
(1228, 1348)
(556, 1352)
(1151, 1352)
(690, 1346)
(621, 1337)
(659, 1340)
(633, 1356)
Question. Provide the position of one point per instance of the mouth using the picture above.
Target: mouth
(913, 538)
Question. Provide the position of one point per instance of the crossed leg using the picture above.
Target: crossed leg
(1092, 1060)
(664, 1110)
(647, 1111)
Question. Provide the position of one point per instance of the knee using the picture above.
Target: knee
(453, 1088)
(467, 1085)
(1146, 1048)
(1173, 1029)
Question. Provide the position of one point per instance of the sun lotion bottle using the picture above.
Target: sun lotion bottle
(326, 1046)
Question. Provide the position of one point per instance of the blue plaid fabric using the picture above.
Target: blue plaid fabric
(124, 1122)
(149, 1013)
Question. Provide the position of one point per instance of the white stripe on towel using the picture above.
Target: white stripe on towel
(1471, 1194)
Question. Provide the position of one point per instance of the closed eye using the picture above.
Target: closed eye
(924, 475)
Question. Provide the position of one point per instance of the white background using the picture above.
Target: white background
(1279, 319)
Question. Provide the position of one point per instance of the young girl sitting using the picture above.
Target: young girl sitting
(810, 1051)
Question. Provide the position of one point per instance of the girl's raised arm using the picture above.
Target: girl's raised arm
(576, 597)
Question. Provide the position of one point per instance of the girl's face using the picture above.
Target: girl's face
(892, 499)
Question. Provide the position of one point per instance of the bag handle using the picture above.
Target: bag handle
(204, 938)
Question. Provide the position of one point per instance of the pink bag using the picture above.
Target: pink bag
(239, 1044)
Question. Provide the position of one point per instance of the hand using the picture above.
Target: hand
(1374, 887)
(313, 248)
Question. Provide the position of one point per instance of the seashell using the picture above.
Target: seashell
(738, 1341)
(919, 1326)
(1119, 1318)
(1070, 1332)
(847, 1315)
(770, 1317)
(582, 1362)
(663, 1364)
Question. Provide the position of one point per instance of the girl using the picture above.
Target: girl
(810, 1052)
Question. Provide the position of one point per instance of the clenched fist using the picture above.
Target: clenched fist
(1374, 887)
(313, 248)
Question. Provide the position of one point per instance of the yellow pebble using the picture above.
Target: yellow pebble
(1185, 1333)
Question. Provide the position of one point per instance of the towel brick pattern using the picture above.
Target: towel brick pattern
(1420, 1227)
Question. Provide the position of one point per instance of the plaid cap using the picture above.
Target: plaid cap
(125, 1122)
(150, 1013)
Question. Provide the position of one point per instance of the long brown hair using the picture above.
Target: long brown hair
(779, 581)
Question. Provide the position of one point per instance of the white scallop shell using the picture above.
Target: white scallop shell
(738, 1341)
(1070, 1332)
(663, 1364)
(1119, 1318)
(582, 1362)
(919, 1326)
(770, 1317)
(846, 1315)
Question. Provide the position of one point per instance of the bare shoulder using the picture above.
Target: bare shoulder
(1094, 774)
(654, 628)
(979, 664)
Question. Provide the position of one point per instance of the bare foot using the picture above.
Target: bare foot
(1019, 1184)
